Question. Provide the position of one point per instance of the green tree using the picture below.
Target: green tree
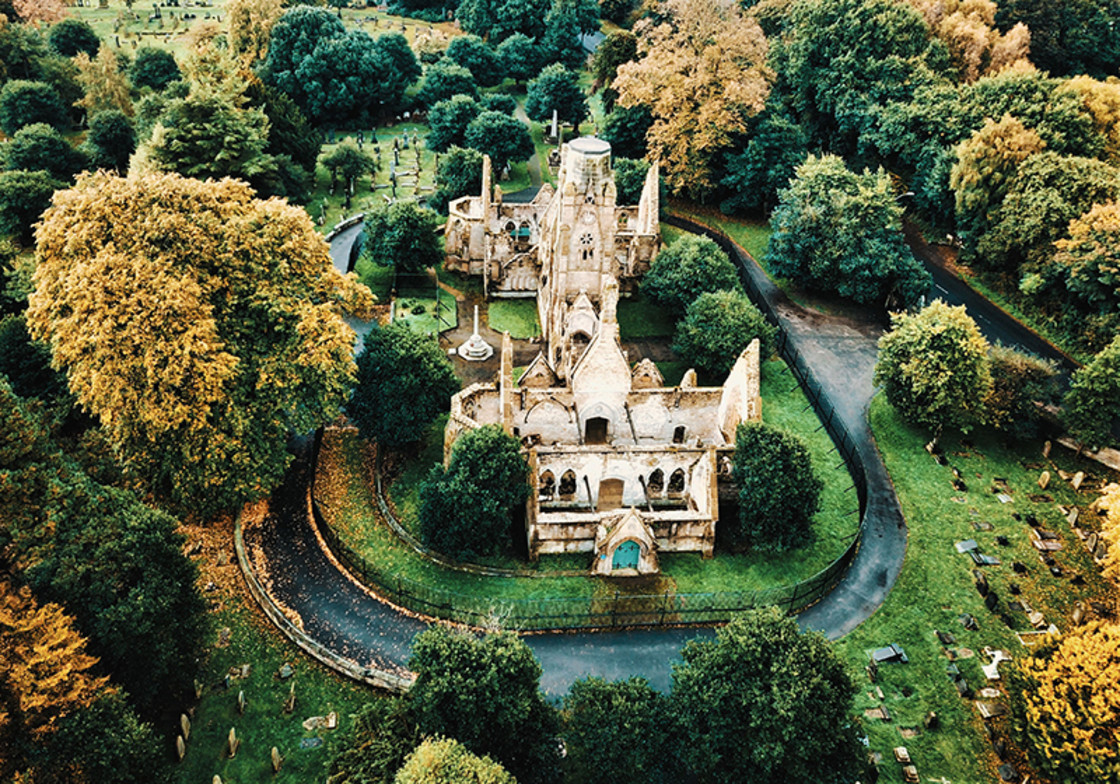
(153, 68)
(616, 49)
(347, 161)
(1091, 408)
(497, 20)
(717, 327)
(448, 121)
(402, 235)
(25, 103)
(1090, 259)
(289, 132)
(40, 147)
(24, 195)
(629, 179)
(404, 383)
(779, 490)
(767, 164)
(478, 57)
(564, 25)
(111, 140)
(205, 136)
(466, 510)
(234, 299)
(841, 57)
(499, 102)
(444, 80)
(71, 36)
(1020, 382)
(1065, 709)
(933, 367)
(485, 694)
(690, 266)
(27, 364)
(376, 745)
(765, 703)
(986, 165)
(334, 74)
(504, 138)
(521, 57)
(446, 761)
(618, 731)
(840, 232)
(1068, 36)
(625, 129)
(1048, 191)
(459, 174)
(556, 89)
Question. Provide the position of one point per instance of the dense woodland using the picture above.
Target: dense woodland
(165, 325)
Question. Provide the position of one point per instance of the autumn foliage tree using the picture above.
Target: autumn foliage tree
(1065, 706)
(199, 324)
(1108, 506)
(702, 74)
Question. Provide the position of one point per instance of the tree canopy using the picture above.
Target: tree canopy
(402, 235)
(505, 139)
(690, 266)
(443, 80)
(153, 68)
(1091, 408)
(556, 89)
(25, 103)
(702, 74)
(446, 761)
(779, 490)
(39, 147)
(199, 324)
(484, 692)
(716, 327)
(766, 703)
(459, 174)
(933, 367)
(478, 57)
(840, 232)
(70, 36)
(448, 121)
(1064, 706)
(404, 382)
(24, 195)
(467, 509)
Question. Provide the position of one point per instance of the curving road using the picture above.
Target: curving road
(841, 355)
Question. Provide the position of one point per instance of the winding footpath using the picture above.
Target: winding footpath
(840, 354)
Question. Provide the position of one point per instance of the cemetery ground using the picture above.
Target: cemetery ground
(936, 587)
(344, 489)
(242, 635)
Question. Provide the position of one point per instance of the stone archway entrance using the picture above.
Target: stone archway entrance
(595, 431)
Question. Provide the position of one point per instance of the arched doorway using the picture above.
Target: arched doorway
(596, 431)
(626, 555)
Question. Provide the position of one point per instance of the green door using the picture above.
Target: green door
(626, 555)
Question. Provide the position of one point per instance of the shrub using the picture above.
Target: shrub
(717, 327)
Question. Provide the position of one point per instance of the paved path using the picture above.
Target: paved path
(841, 355)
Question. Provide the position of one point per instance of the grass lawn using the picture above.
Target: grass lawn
(639, 317)
(935, 587)
(344, 488)
(378, 277)
(254, 641)
(518, 317)
(427, 315)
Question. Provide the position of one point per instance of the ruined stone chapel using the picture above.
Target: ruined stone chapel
(624, 466)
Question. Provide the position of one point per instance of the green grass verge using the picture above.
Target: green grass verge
(345, 490)
(518, 317)
(935, 586)
(639, 317)
(377, 277)
(264, 724)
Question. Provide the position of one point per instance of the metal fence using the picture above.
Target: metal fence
(613, 608)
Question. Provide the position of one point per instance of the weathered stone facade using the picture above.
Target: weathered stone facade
(624, 466)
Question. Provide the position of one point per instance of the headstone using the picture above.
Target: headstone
(555, 125)
(991, 601)
(290, 702)
(223, 637)
(180, 747)
(1044, 480)
(232, 742)
(931, 721)
(286, 671)
(216, 780)
(185, 725)
(1046, 449)
(1078, 478)
(277, 760)
(1101, 551)
(1094, 537)
(1078, 614)
(241, 702)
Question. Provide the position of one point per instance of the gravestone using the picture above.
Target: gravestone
(180, 747)
(1046, 449)
(1044, 480)
(277, 760)
(1093, 541)
(290, 702)
(241, 702)
(232, 743)
(185, 725)
(1078, 478)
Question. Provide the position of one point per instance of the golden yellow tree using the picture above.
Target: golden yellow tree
(1109, 506)
(702, 74)
(105, 85)
(40, 11)
(968, 28)
(1065, 702)
(200, 324)
(45, 673)
(1102, 99)
(250, 24)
